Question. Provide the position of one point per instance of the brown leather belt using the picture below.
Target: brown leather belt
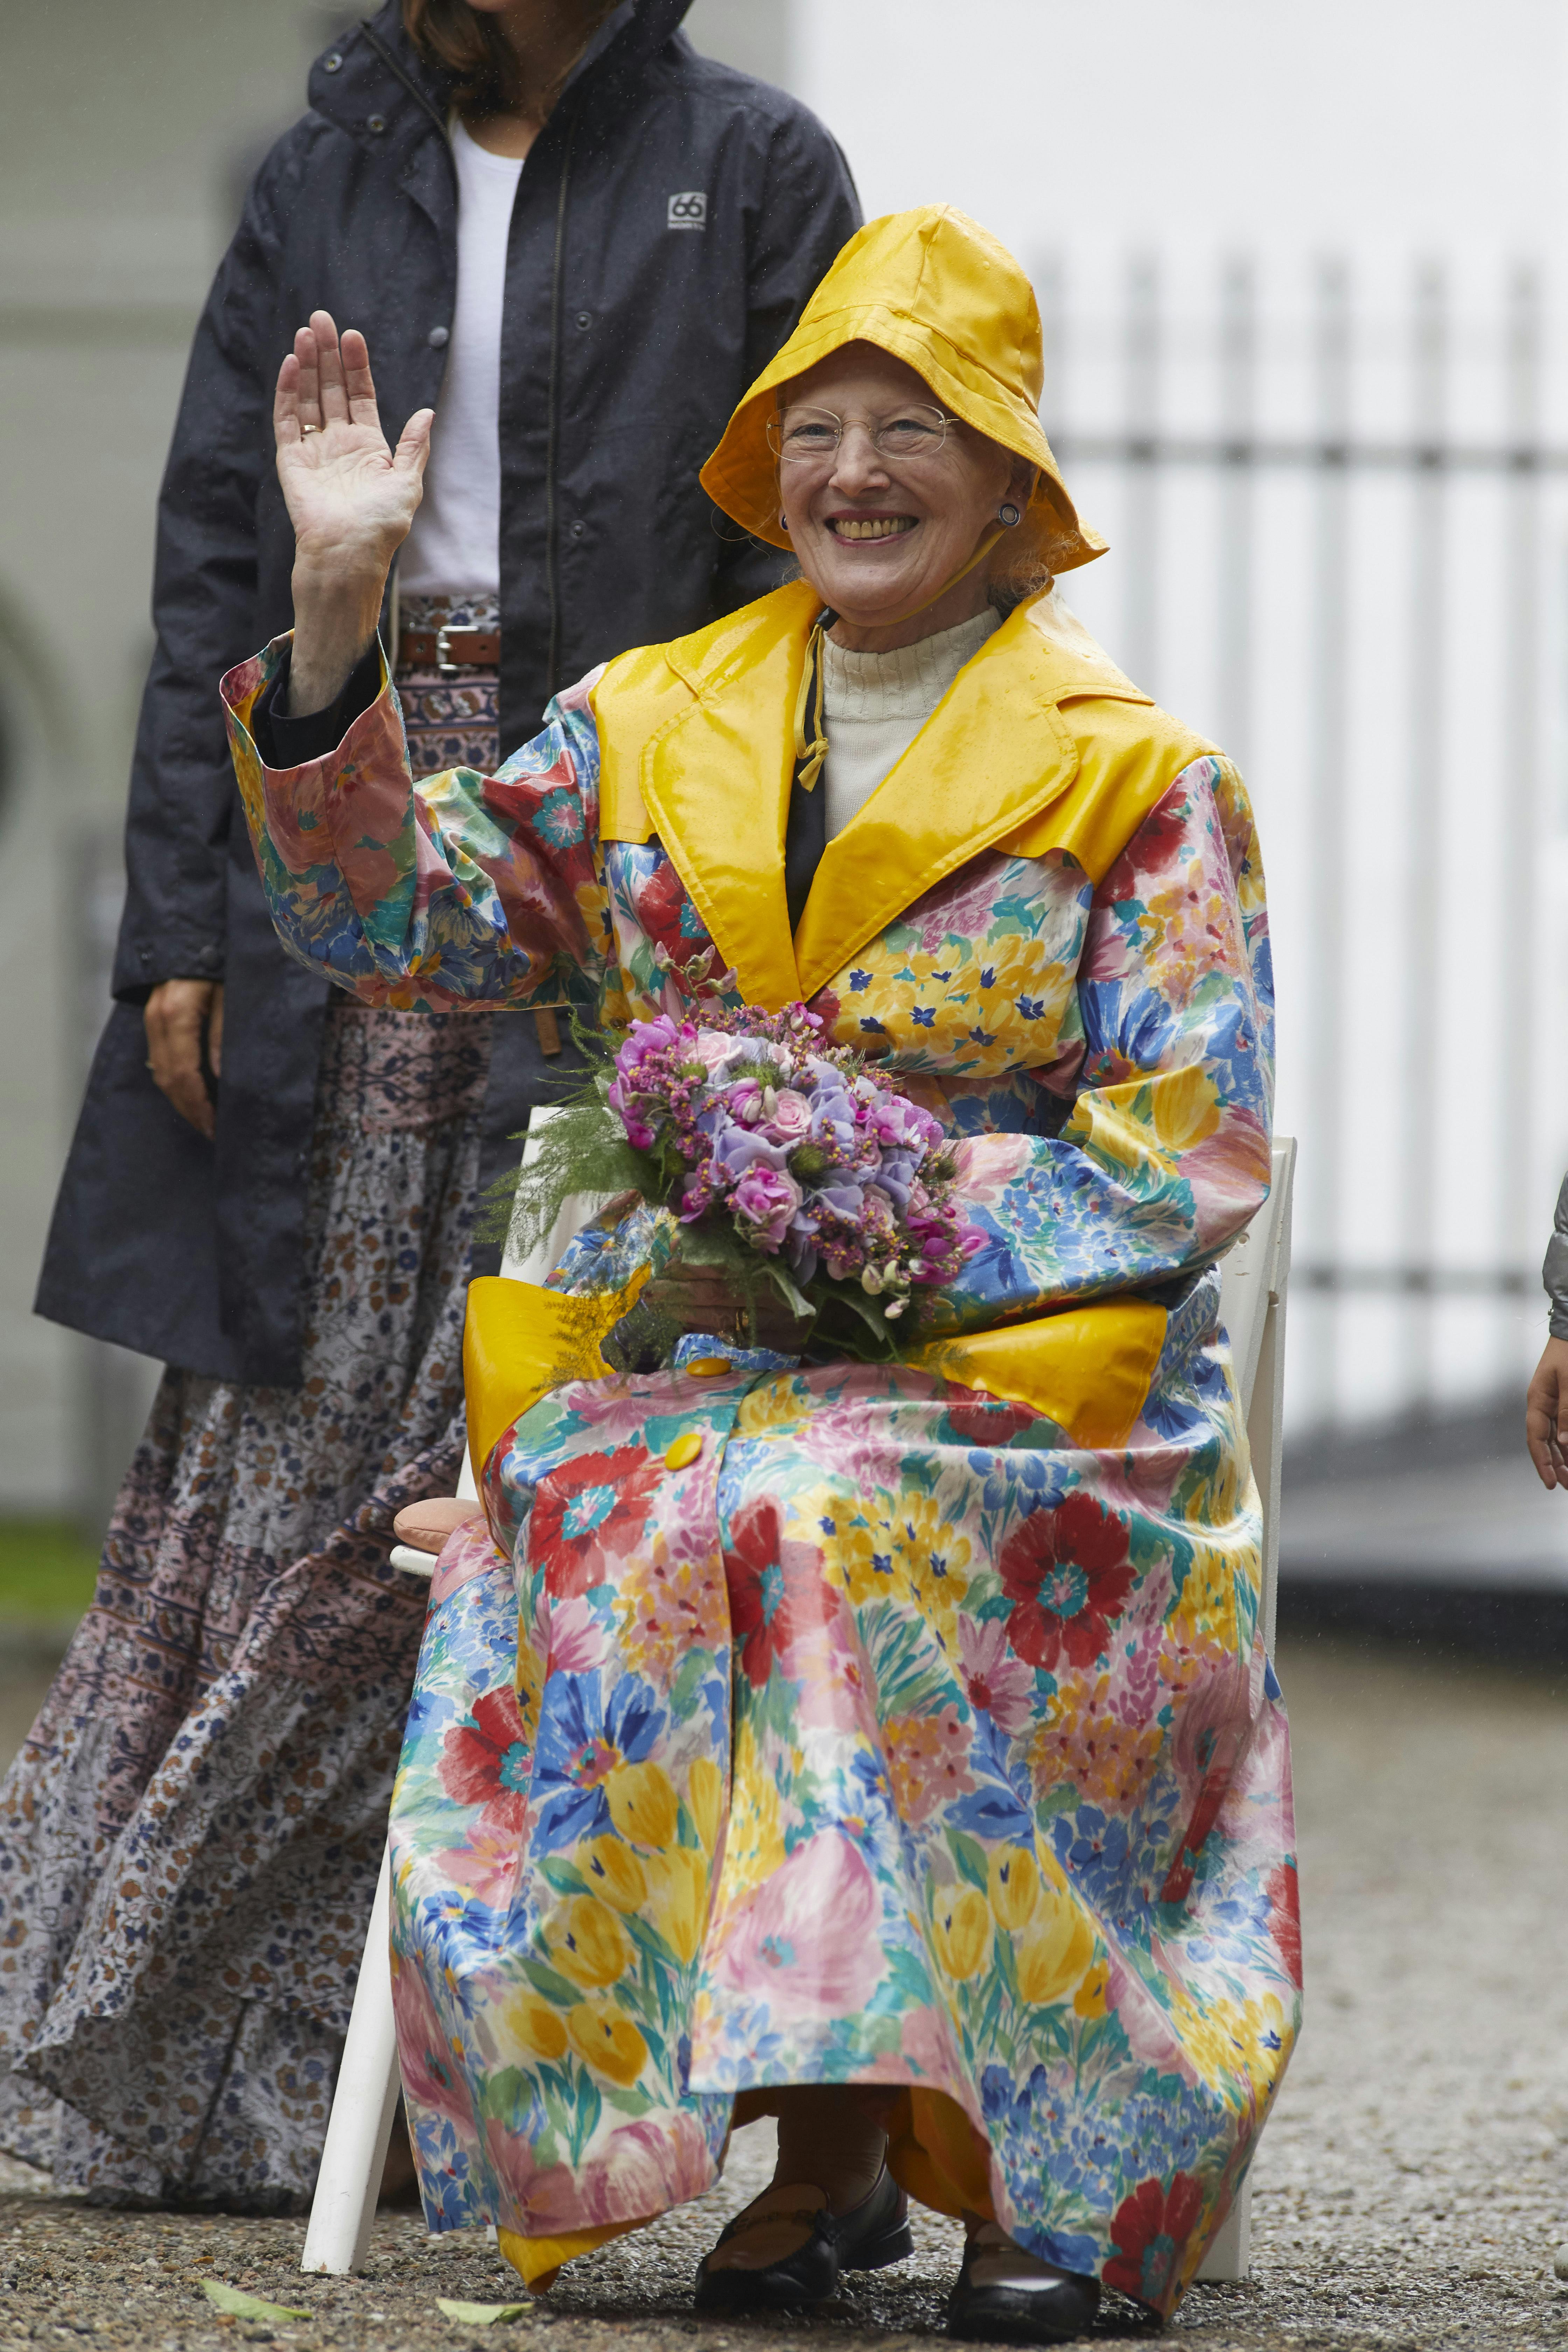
(448, 650)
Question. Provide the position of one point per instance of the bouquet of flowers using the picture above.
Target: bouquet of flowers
(780, 1157)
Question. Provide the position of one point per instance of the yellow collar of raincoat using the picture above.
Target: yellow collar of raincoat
(941, 294)
(696, 744)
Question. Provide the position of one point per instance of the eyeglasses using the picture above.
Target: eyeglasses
(808, 436)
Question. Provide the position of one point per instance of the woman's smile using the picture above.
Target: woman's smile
(875, 528)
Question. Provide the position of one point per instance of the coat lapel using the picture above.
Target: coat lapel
(716, 778)
(993, 754)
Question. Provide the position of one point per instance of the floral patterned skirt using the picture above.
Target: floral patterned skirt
(880, 1736)
(190, 1838)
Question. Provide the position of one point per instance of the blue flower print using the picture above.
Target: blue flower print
(580, 1741)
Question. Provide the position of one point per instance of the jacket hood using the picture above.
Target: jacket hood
(377, 68)
(944, 296)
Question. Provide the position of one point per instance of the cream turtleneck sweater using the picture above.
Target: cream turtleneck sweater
(874, 705)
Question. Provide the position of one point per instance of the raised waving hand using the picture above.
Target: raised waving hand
(350, 499)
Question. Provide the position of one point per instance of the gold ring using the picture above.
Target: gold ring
(309, 428)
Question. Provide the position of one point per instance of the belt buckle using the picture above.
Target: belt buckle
(445, 667)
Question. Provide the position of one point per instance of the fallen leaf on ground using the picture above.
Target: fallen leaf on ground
(249, 2306)
(481, 2315)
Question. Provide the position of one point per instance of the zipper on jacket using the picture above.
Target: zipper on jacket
(553, 427)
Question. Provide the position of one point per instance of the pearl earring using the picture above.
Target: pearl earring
(1008, 514)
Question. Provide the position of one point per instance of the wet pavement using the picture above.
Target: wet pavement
(1411, 2190)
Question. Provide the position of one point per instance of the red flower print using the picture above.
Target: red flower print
(485, 1762)
(1150, 2230)
(589, 1512)
(1151, 849)
(1068, 1577)
(668, 915)
(1284, 1917)
(776, 1591)
(986, 1420)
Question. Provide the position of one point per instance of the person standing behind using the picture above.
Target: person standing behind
(577, 239)
(1546, 1399)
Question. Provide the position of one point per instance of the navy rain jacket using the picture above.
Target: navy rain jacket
(672, 221)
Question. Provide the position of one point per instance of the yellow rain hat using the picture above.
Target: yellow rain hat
(944, 296)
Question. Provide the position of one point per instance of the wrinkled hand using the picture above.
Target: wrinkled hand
(350, 499)
(1546, 1415)
(175, 1016)
(702, 1298)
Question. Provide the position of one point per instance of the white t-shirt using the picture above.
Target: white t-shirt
(455, 544)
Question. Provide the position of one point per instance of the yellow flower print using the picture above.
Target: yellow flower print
(964, 1932)
(705, 1796)
(1015, 1878)
(529, 1684)
(754, 1846)
(594, 905)
(1093, 1996)
(1054, 1950)
(1225, 2039)
(532, 2025)
(643, 1804)
(935, 1562)
(1184, 1106)
(611, 2045)
(678, 1903)
(854, 1547)
(614, 1872)
(1207, 1610)
(588, 1943)
(921, 999)
(776, 1408)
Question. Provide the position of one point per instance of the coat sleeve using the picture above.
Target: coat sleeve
(1554, 1272)
(203, 609)
(462, 890)
(809, 210)
(1165, 1154)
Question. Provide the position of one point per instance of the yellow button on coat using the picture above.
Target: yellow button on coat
(682, 1450)
(709, 1368)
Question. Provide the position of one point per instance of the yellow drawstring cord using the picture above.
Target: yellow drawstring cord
(810, 752)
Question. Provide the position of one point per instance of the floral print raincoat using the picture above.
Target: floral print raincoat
(902, 1725)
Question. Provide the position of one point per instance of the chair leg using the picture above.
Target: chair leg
(363, 2105)
(1229, 2260)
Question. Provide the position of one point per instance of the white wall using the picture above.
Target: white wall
(1392, 125)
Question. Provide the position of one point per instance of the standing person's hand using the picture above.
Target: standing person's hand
(349, 499)
(1546, 1415)
(175, 1016)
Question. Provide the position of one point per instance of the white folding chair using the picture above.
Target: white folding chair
(1253, 1278)
(365, 2100)
(359, 2129)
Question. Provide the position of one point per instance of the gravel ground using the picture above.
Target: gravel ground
(1411, 2190)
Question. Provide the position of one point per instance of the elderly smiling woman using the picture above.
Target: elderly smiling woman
(886, 1747)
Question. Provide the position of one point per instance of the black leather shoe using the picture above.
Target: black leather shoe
(1049, 2308)
(867, 2238)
